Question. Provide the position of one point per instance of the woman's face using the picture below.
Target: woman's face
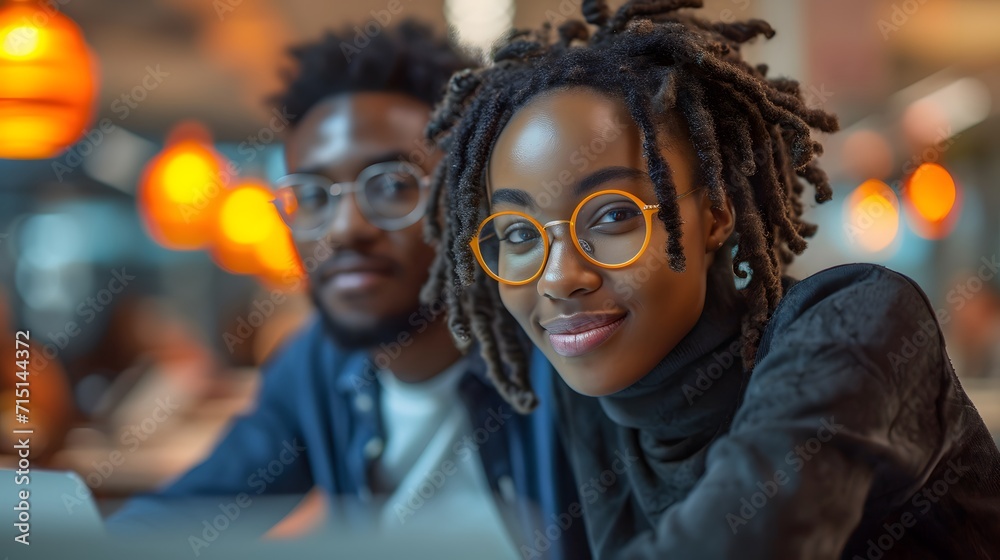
(603, 329)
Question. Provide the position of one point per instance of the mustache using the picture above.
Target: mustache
(350, 260)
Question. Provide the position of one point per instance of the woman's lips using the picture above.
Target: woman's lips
(575, 335)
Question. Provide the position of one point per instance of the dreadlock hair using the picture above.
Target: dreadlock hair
(751, 136)
(407, 59)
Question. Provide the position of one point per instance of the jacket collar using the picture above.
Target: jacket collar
(694, 387)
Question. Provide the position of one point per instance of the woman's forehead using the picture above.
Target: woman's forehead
(561, 137)
(565, 132)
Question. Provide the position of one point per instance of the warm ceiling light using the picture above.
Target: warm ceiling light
(479, 23)
(931, 189)
(872, 216)
(47, 82)
(246, 226)
(245, 216)
(932, 201)
(180, 190)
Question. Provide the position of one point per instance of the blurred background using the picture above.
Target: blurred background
(151, 303)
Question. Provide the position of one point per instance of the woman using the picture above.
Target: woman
(609, 185)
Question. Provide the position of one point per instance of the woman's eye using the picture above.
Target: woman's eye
(519, 234)
(618, 215)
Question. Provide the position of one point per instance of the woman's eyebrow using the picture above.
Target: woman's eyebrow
(513, 196)
(595, 179)
(590, 182)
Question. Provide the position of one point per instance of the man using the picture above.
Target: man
(372, 402)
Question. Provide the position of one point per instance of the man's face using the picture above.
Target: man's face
(367, 281)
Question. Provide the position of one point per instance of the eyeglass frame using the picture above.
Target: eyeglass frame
(343, 188)
(646, 209)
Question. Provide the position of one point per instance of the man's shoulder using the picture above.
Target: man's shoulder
(299, 345)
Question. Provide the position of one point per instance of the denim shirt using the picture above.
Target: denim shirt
(317, 423)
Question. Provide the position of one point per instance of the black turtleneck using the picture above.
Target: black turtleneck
(827, 447)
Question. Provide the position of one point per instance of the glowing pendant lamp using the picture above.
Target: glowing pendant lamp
(47, 81)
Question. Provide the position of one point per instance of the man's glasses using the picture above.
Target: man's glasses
(609, 228)
(391, 195)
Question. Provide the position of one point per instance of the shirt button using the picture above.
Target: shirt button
(363, 403)
(373, 448)
(507, 490)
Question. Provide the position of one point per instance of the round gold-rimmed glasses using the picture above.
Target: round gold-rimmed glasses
(610, 228)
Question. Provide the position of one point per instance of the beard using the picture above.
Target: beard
(351, 337)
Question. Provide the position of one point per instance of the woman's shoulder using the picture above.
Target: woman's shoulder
(854, 332)
(856, 285)
(861, 346)
(869, 305)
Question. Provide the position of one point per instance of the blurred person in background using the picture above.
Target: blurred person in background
(974, 331)
(44, 389)
(372, 402)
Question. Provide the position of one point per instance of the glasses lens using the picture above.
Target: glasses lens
(393, 193)
(304, 204)
(512, 247)
(287, 204)
(611, 229)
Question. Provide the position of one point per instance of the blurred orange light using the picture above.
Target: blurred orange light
(246, 228)
(277, 252)
(180, 191)
(247, 215)
(279, 260)
(47, 82)
(931, 189)
(186, 172)
(872, 216)
(21, 42)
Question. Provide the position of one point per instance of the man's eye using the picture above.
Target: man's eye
(395, 186)
(310, 200)
(389, 186)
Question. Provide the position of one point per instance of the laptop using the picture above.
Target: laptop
(46, 505)
(38, 506)
(57, 518)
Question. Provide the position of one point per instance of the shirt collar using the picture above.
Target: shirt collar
(355, 372)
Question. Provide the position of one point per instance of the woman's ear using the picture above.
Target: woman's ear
(721, 225)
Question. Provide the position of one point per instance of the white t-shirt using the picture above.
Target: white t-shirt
(429, 474)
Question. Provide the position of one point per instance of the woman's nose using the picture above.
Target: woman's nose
(566, 274)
